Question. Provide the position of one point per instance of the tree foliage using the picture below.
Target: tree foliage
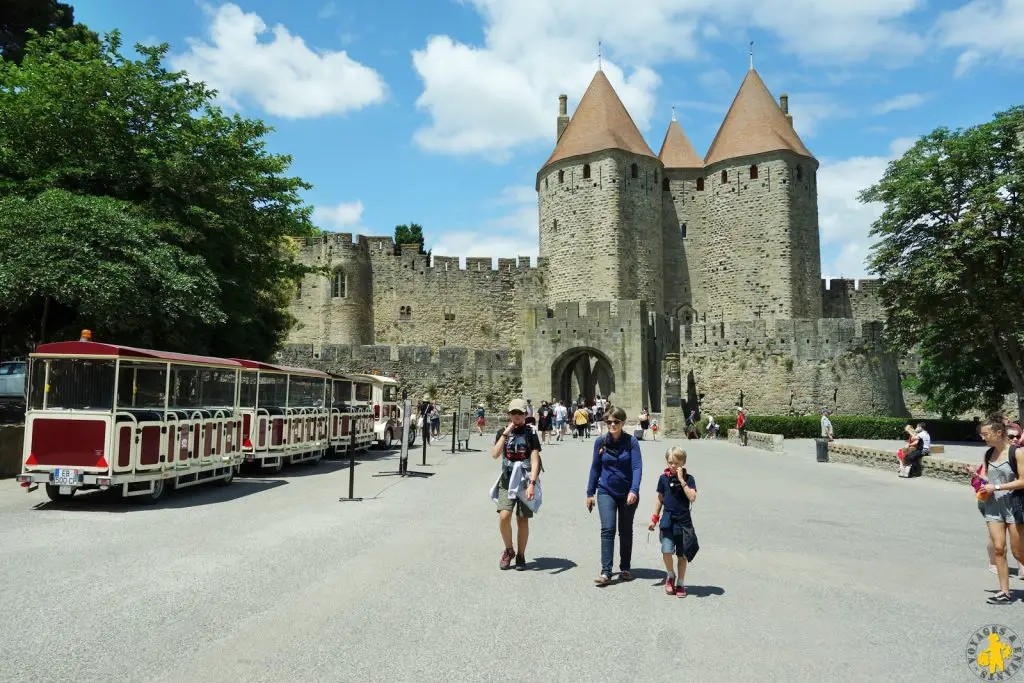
(21, 19)
(949, 255)
(409, 234)
(102, 260)
(83, 118)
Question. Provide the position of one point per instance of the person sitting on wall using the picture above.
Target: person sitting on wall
(910, 463)
(826, 426)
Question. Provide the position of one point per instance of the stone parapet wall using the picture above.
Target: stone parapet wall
(931, 466)
(851, 299)
(491, 377)
(792, 367)
(11, 442)
(776, 443)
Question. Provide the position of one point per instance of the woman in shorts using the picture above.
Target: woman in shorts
(1002, 503)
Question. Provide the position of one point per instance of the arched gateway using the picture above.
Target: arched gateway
(582, 371)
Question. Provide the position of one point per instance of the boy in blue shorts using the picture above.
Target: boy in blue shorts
(677, 490)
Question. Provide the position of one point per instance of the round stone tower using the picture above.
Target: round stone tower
(600, 206)
(683, 234)
(759, 193)
(336, 308)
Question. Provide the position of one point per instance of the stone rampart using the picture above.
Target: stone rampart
(491, 377)
(776, 443)
(931, 466)
(851, 299)
(411, 298)
(796, 367)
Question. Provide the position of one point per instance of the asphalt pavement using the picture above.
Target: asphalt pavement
(807, 572)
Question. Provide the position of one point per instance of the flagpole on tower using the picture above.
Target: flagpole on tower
(751, 55)
(599, 65)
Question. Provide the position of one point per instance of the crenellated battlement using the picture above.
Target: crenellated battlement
(382, 250)
(846, 298)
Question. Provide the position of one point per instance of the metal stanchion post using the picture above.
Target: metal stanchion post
(426, 426)
(351, 465)
(455, 428)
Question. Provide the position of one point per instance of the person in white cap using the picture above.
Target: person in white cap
(519, 448)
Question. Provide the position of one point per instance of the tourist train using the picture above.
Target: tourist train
(104, 416)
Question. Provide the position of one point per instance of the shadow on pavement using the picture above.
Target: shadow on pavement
(557, 565)
(192, 496)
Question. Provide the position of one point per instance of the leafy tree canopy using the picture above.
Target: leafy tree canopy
(409, 234)
(83, 118)
(19, 19)
(949, 254)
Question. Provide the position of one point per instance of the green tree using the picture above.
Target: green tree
(100, 263)
(83, 118)
(409, 234)
(20, 18)
(949, 255)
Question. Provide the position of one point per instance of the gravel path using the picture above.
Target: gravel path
(808, 572)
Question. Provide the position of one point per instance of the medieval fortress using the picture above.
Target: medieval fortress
(663, 279)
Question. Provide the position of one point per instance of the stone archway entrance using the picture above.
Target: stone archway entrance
(582, 371)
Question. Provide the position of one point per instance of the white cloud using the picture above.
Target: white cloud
(491, 98)
(844, 220)
(510, 235)
(983, 28)
(283, 76)
(716, 79)
(327, 11)
(345, 215)
(809, 110)
(911, 100)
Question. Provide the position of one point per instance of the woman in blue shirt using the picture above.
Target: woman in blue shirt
(615, 479)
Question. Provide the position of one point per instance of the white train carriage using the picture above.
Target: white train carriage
(105, 416)
(284, 414)
(348, 414)
(380, 395)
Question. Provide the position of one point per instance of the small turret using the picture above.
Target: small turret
(784, 106)
(563, 115)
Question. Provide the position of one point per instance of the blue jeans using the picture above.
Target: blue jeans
(610, 508)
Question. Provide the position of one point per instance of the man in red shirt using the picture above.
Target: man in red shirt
(741, 425)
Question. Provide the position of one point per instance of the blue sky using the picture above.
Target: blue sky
(441, 112)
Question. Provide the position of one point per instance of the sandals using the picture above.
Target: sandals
(999, 599)
(602, 580)
(625, 575)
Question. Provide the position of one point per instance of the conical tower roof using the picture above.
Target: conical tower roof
(755, 124)
(600, 122)
(676, 149)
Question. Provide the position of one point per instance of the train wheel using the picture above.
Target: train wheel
(159, 487)
(228, 479)
(54, 494)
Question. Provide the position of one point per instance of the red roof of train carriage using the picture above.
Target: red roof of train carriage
(80, 348)
(257, 365)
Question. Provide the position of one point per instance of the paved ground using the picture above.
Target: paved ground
(808, 572)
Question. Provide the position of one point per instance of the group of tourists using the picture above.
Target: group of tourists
(613, 487)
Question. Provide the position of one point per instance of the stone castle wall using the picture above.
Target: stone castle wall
(323, 317)
(760, 241)
(681, 252)
(792, 367)
(409, 299)
(851, 299)
(598, 234)
(491, 377)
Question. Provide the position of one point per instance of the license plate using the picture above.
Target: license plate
(65, 477)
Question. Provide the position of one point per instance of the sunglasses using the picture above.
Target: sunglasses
(613, 422)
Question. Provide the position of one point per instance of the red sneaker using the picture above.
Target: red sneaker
(670, 586)
(506, 558)
(680, 591)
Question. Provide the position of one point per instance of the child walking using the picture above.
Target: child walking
(677, 490)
